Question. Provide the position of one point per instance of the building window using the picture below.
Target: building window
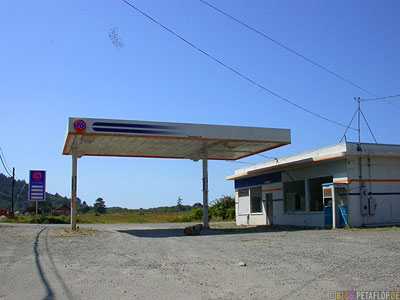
(244, 202)
(243, 192)
(255, 200)
(295, 198)
(315, 187)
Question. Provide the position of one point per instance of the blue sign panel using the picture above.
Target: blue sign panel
(258, 180)
(37, 185)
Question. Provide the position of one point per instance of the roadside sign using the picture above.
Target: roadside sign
(37, 185)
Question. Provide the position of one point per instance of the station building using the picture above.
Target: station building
(361, 182)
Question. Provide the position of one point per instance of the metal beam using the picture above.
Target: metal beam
(333, 207)
(205, 189)
(73, 189)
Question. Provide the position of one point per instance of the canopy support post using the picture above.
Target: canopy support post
(73, 189)
(205, 189)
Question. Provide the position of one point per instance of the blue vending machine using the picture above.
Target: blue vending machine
(335, 205)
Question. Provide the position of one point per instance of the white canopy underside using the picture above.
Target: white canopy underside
(102, 137)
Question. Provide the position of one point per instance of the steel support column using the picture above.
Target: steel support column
(205, 189)
(73, 190)
(333, 207)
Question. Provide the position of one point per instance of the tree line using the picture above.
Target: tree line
(222, 208)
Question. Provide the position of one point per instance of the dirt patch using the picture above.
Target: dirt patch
(67, 233)
(157, 261)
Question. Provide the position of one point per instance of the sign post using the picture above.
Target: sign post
(37, 186)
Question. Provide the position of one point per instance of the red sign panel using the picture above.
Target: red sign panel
(79, 125)
(328, 192)
(37, 176)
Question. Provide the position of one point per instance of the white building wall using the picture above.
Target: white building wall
(241, 217)
(381, 178)
(314, 219)
(243, 214)
(257, 219)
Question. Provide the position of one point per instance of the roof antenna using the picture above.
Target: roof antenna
(359, 127)
(359, 113)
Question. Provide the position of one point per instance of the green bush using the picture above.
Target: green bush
(223, 208)
(196, 214)
(230, 214)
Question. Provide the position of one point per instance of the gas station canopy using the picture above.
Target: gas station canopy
(101, 137)
(105, 137)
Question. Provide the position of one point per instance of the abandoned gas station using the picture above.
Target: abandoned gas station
(347, 184)
(122, 138)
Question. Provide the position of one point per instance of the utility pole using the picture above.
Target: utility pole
(12, 193)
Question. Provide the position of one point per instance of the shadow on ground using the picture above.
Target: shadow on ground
(45, 282)
(174, 232)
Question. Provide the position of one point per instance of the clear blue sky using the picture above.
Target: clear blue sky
(57, 61)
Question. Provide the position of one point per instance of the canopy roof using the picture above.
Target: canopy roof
(105, 137)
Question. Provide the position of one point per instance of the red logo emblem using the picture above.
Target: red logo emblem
(37, 176)
(79, 125)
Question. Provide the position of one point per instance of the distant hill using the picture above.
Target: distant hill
(21, 196)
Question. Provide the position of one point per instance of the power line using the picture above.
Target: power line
(392, 104)
(275, 158)
(1, 158)
(8, 168)
(232, 69)
(240, 162)
(380, 98)
(287, 48)
(294, 52)
(15, 204)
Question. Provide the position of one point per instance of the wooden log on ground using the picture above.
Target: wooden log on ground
(193, 230)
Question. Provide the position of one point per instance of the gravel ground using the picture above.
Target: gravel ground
(156, 261)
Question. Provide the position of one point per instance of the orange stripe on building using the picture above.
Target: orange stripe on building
(341, 181)
(328, 158)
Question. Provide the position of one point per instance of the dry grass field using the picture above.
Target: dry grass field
(103, 218)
